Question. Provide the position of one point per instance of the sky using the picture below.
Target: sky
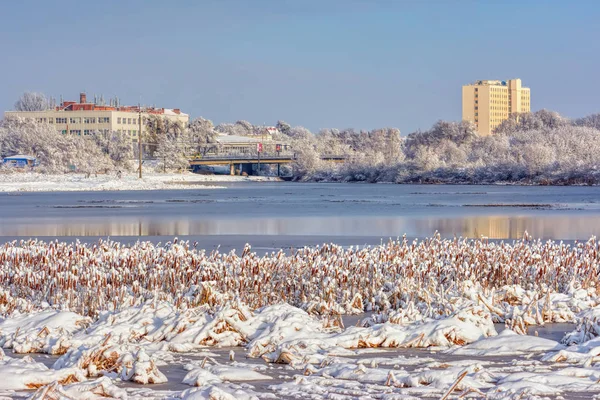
(318, 64)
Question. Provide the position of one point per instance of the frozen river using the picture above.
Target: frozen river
(281, 214)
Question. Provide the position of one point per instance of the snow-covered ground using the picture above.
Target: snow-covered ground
(239, 326)
(32, 182)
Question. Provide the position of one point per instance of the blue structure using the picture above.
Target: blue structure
(20, 161)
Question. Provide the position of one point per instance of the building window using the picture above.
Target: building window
(76, 132)
(129, 121)
(89, 120)
(87, 132)
(477, 108)
(75, 120)
(118, 120)
(60, 120)
(476, 114)
(64, 131)
(51, 120)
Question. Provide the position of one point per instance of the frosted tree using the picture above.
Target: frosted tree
(283, 127)
(201, 134)
(155, 128)
(117, 146)
(55, 152)
(240, 128)
(170, 153)
(32, 101)
(591, 121)
(542, 119)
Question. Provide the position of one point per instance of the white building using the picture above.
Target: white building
(85, 118)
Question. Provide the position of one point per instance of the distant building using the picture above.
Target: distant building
(85, 118)
(488, 103)
(262, 133)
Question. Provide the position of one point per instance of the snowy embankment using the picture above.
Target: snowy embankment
(112, 313)
(32, 182)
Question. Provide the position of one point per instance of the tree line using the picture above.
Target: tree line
(538, 148)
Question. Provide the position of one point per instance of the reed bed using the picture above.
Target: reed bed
(518, 282)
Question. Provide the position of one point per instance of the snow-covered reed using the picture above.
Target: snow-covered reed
(118, 311)
(521, 283)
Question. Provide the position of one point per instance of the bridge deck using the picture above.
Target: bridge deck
(245, 159)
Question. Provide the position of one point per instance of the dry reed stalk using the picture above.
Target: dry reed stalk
(454, 385)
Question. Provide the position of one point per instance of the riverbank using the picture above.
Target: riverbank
(33, 182)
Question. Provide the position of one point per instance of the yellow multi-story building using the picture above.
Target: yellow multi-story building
(85, 118)
(488, 103)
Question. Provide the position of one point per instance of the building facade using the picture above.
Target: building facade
(488, 103)
(85, 118)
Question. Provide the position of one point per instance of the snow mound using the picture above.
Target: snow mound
(299, 344)
(25, 373)
(98, 389)
(508, 343)
(47, 331)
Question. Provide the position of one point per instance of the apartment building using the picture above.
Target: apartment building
(488, 103)
(85, 118)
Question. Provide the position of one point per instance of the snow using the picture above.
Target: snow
(46, 331)
(33, 182)
(98, 389)
(200, 376)
(244, 326)
(25, 373)
(508, 343)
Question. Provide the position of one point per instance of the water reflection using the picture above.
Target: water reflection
(492, 226)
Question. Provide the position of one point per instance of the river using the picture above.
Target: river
(272, 215)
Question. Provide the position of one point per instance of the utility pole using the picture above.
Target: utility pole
(140, 139)
(259, 149)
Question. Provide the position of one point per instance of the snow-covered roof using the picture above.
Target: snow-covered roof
(169, 111)
(228, 139)
(20, 157)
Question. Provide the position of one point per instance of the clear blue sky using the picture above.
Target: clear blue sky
(326, 63)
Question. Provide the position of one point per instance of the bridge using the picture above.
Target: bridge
(245, 161)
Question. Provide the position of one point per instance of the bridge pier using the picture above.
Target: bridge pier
(231, 169)
(278, 170)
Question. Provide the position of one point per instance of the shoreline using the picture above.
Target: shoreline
(34, 182)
